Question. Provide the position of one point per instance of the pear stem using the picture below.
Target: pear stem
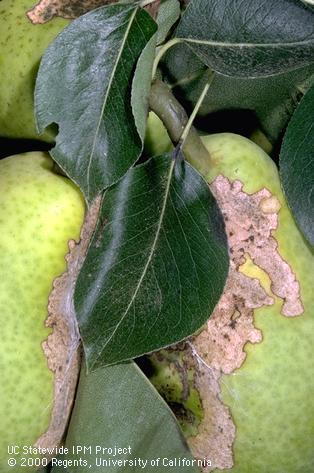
(175, 119)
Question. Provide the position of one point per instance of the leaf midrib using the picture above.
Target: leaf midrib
(149, 259)
(247, 45)
(107, 94)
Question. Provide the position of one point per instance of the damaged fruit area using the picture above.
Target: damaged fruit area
(238, 368)
(45, 10)
(62, 347)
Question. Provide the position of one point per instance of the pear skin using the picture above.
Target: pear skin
(40, 211)
(22, 45)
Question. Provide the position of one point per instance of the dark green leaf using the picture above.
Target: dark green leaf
(84, 85)
(249, 38)
(117, 406)
(156, 266)
(297, 165)
(273, 99)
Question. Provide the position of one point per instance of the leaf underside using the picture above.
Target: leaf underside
(251, 38)
(273, 98)
(118, 406)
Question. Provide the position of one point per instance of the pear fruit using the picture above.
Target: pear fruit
(253, 364)
(157, 140)
(40, 211)
(22, 44)
(271, 394)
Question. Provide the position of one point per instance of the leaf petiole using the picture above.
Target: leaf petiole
(162, 50)
(195, 111)
(175, 119)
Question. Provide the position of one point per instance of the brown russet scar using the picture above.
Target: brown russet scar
(45, 10)
(250, 221)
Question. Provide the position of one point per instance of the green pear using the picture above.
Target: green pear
(22, 44)
(253, 365)
(157, 140)
(271, 395)
(40, 211)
